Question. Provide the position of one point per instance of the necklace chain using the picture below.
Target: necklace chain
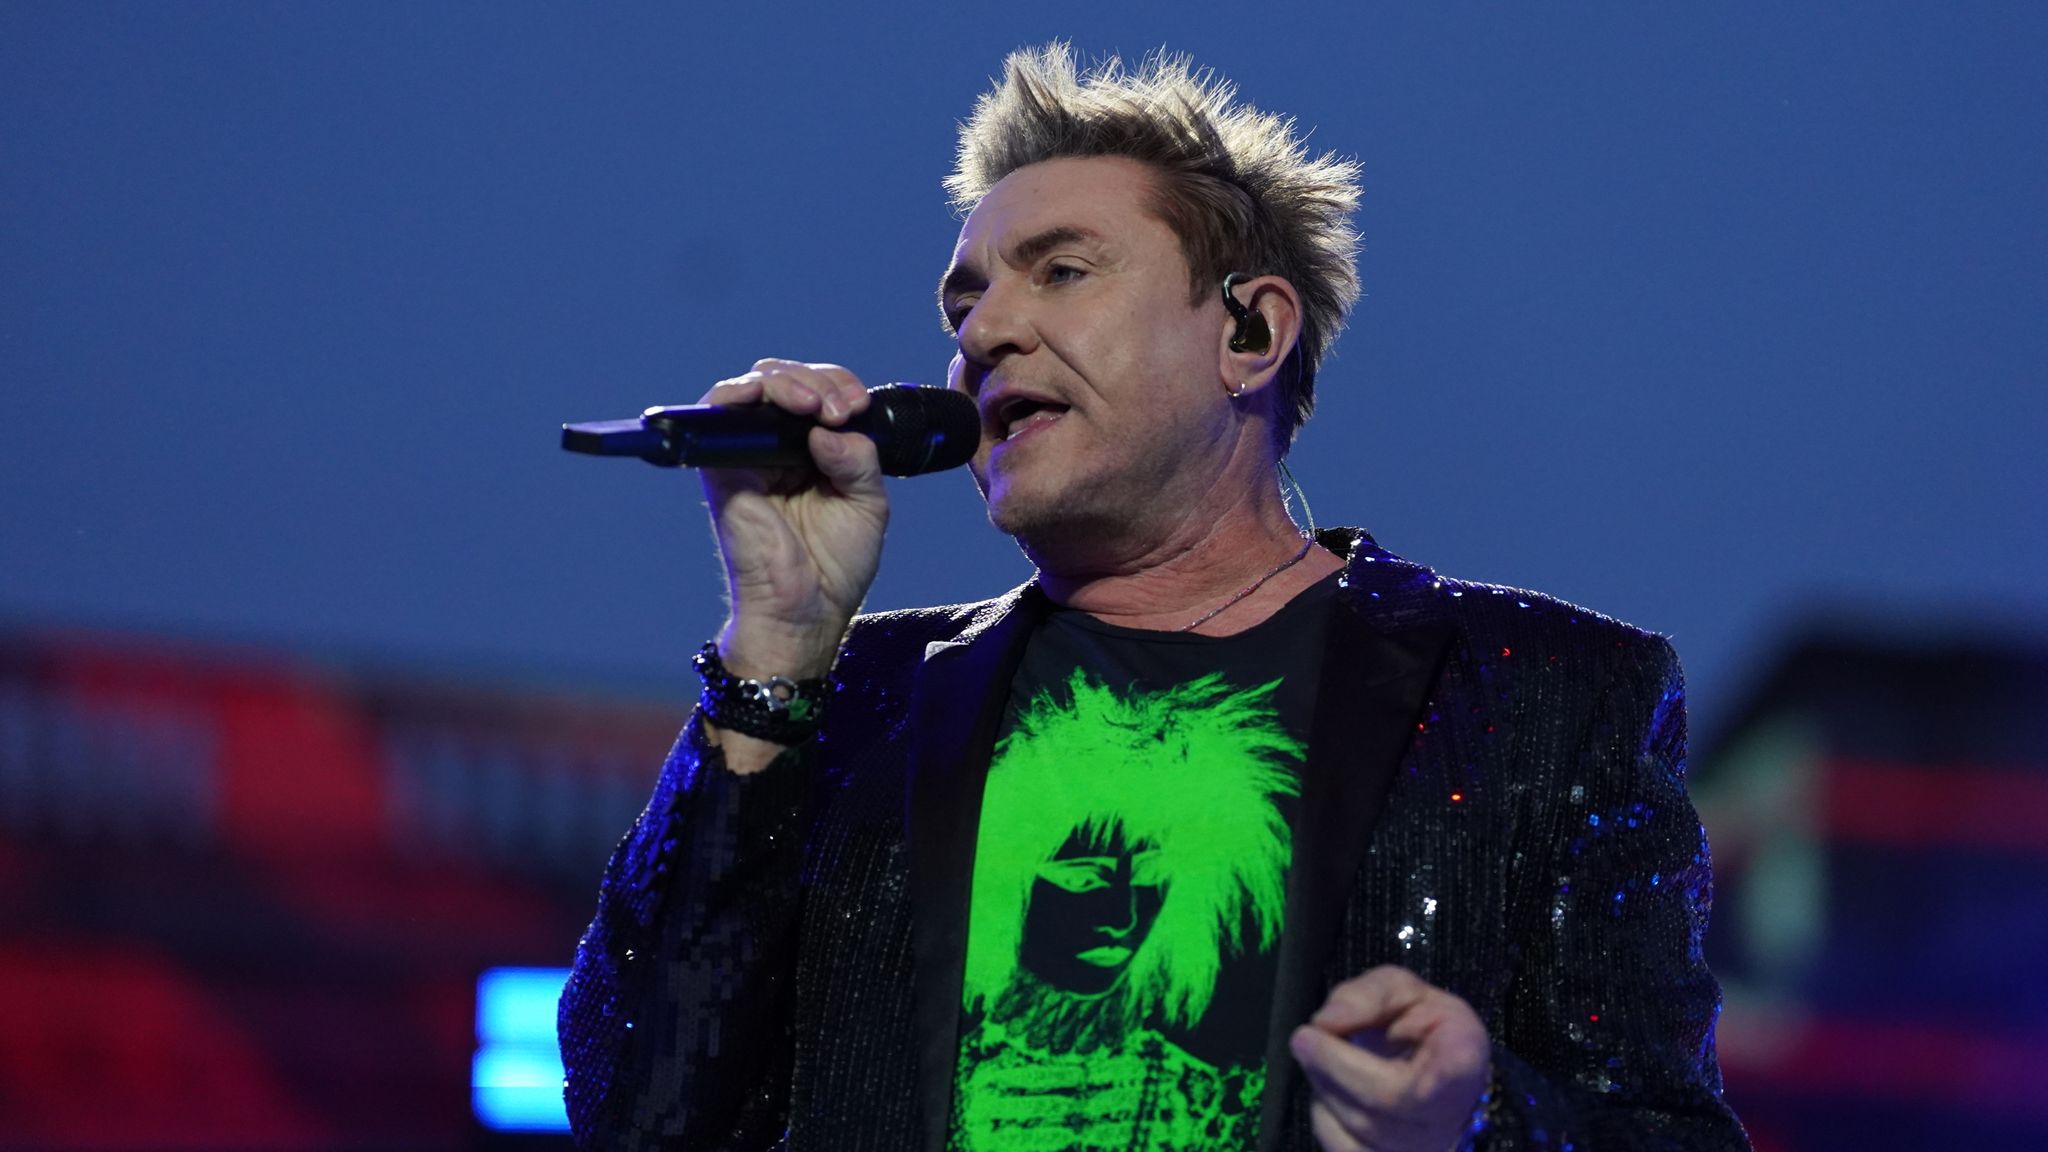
(1252, 587)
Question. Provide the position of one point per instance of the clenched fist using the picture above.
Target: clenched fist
(1395, 1064)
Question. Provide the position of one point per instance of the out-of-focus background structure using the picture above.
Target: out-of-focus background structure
(327, 681)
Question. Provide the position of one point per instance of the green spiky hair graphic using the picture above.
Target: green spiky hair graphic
(1191, 772)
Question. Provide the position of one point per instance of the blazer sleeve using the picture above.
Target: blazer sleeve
(1607, 1041)
(674, 1024)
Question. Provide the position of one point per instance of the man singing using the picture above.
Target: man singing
(1211, 835)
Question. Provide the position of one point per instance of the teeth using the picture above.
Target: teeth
(1048, 414)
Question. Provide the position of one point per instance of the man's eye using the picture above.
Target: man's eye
(958, 317)
(1064, 273)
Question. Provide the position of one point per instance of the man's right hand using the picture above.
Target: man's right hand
(800, 545)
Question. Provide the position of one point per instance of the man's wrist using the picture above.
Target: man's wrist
(759, 651)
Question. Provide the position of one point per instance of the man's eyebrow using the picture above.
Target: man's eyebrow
(964, 277)
(1031, 248)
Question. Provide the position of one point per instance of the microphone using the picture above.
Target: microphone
(916, 429)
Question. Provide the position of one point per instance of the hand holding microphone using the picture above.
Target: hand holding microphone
(792, 457)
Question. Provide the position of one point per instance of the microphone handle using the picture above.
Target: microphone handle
(746, 436)
(702, 436)
(915, 430)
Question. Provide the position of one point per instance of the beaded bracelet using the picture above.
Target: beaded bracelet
(777, 709)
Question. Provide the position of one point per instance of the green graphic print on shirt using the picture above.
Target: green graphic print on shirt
(1129, 845)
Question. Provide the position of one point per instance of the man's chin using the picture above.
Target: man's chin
(1037, 528)
(1018, 513)
(1061, 535)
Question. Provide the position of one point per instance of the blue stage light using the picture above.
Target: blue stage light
(516, 1078)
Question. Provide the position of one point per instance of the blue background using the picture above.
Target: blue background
(1706, 316)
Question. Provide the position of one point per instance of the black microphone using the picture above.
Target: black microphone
(916, 430)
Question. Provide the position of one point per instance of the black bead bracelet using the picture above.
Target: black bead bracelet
(777, 709)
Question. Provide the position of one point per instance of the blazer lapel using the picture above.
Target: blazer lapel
(1371, 690)
(962, 689)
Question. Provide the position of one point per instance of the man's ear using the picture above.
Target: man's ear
(1259, 333)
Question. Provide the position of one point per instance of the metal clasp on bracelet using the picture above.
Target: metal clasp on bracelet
(764, 692)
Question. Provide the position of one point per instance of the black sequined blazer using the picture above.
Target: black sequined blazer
(1493, 797)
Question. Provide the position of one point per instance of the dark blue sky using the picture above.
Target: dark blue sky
(1703, 315)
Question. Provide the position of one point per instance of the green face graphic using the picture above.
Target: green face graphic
(1092, 907)
(1129, 845)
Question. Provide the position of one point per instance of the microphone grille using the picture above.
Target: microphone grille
(919, 429)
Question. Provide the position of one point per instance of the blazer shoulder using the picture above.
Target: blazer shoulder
(876, 640)
(936, 622)
(1561, 637)
(1506, 607)
(1521, 627)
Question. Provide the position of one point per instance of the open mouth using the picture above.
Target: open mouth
(1021, 415)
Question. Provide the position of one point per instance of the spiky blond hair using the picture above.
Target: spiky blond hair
(1237, 185)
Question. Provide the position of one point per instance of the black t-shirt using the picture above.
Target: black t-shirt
(1129, 882)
